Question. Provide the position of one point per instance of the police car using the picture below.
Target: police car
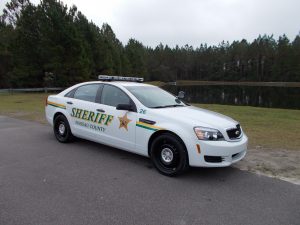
(125, 113)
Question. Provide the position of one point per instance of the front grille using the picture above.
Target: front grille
(234, 133)
(213, 159)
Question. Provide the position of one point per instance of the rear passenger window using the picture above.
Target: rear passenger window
(87, 92)
(113, 96)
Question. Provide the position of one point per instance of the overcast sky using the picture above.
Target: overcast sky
(192, 21)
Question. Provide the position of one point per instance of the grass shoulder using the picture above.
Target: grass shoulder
(265, 127)
(27, 106)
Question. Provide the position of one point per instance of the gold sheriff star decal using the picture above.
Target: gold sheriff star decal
(124, 121)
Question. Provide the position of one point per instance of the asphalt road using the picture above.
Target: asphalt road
(46, 182)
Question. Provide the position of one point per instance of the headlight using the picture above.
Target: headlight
(208, 134)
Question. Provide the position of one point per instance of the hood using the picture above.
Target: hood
(199, 117)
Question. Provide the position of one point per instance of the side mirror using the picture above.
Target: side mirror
(127, 107)
(181, 95)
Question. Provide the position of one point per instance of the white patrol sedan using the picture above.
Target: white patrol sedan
(146, 120)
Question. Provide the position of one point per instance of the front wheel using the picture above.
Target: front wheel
(169, 155)
(62, 130)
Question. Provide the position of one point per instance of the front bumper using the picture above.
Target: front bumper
(218, 153)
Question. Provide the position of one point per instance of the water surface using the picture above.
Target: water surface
(261, 96)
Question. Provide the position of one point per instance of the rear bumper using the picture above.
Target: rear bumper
(218, 153)
(48, 116)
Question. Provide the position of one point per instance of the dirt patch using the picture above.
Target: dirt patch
(279, 163)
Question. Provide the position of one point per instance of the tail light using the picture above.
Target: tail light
(46, 101)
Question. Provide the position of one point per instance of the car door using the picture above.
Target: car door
(120, 124)
(82, 110)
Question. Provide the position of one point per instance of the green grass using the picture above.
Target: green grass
(270, 128)
(24, 106)
(156, 83)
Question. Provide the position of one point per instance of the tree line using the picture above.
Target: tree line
(51, 44)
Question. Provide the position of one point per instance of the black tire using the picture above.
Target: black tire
(169, 155)
(62, 135)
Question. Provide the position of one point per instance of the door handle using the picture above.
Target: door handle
(70, 103)
(100, 110)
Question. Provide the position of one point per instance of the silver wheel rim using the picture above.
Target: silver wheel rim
(61, 129)
(167, 155)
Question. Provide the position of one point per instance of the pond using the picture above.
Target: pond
(261, 96)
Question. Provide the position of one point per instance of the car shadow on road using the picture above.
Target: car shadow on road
(221, 174)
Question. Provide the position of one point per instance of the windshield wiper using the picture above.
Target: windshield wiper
(165, 106)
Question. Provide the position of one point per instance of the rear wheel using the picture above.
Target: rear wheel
(62, 129)
(169, 155)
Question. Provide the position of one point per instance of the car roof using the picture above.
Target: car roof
(118, 83)
(124, 83)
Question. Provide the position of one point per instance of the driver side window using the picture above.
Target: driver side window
(113, 96)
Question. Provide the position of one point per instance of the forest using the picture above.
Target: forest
(54, 45)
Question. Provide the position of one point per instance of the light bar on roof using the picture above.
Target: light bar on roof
(120, 78)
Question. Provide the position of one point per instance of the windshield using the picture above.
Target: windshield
(154, 97)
